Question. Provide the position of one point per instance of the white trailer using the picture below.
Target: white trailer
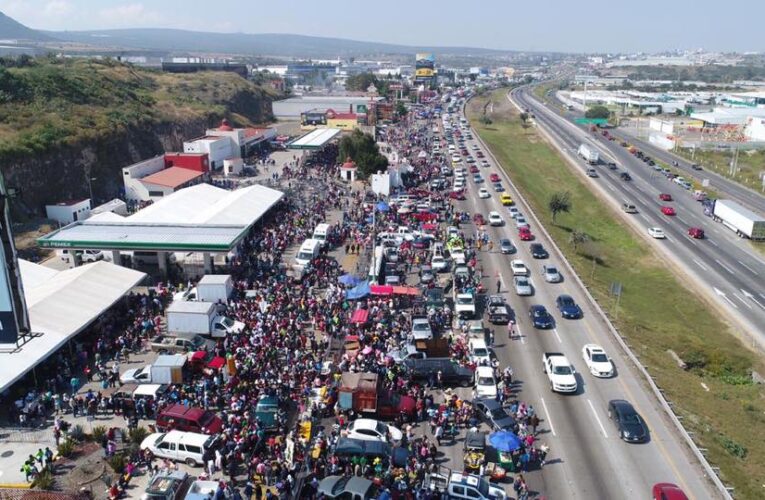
(590, 154)
(739, 219)
(187, 318)
(215, 288)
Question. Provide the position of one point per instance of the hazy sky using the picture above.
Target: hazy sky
(564, 25)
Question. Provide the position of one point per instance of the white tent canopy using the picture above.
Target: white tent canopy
(61, 304)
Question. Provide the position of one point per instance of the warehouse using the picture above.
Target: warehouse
(293, 107)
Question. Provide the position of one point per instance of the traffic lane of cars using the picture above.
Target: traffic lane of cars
(652, 468)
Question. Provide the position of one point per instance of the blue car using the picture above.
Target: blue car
(477, 178)
(568, 307)
(540, 318)
(499, 188)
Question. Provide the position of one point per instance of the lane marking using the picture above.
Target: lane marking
(645, 218)
(749, 268)
(713, 242)
(702, 266)
(610, 187)
(547, 414)
(520, 333)
(724, 266)
(722, 294)
(603, 429)
(681, 220)
(743, 301)
(555, 330)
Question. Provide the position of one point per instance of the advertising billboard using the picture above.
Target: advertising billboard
(423, 73)
(424, 67)
(13, 308)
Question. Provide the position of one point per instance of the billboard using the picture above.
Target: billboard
(424, 60)
(13, 307)
(423, 73)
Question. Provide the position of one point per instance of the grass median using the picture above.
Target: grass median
(657, 312)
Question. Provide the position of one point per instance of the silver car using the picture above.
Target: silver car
(523, 286)
(551, 274)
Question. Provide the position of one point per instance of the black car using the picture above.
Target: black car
(538, 251)
(494, 414)
(451, 372)
(540, 318)
(625, 176)
(629, 423)
(611, 165)
(696, 166)
(568, 307)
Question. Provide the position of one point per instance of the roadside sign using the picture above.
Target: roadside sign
(616, 288)
(591, 121)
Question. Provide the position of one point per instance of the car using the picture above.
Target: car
(477, 178)
(518, 268)
(342, 487)
(520, 221)
(514, 212)
(495, 219)
(499, 188)
(484, 163)
(478, 220)
(625, 176)
(506, 199)
(474, 147)
(538, 251)
(611, 165)
(597, 361)
(628, 422)
(473, 169)
(540, 318)
(368, 429)
(567, 307)
(523, 286)
(525, 234)
(696, 166)
(421, 329)
(470, 159)
(665, 197)
(506, 246)
(480, 154)
(459, 194)
(551, 274)
(494, 177)
(427, 275)
(656, 232)
(667, 210)
(494, 414)
(696, 232)
(485, 384)
(667, 491)
(484, 193)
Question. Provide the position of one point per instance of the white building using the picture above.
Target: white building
(755, 128)
(228, 142)
(135, 190)
(70, 211)
(218, 148)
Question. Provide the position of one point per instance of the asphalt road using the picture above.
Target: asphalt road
(587, 459)
(730, 272)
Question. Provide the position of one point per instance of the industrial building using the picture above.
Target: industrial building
(292, 108)
(70, 211)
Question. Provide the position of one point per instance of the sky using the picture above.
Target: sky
(544, 25)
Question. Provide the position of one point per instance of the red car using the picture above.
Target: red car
(696, 232)
(479, 154)
(473, 169)
(464, 152)
(668, 491)
(667, 210)
(478, 219)
(524, 234)
(494, 177)
(201, 360)
(457, 195)
(665, 197)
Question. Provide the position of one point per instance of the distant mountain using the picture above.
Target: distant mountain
(282, 45)
(10, 29)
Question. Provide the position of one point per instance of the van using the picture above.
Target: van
(179, 446)
(320, 233)
(629, 208)
(84, 255)
(309, 250)
(189, 419)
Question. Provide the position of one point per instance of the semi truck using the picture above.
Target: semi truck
(589, 154)
(199, 318)
(743, 221)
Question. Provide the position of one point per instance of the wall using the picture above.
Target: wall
(132, 175)
(66, 214)
(217, 149)
(153, 190)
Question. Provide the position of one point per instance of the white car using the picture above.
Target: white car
(483, 193)
(456, 158)
(657, 233)
(520, 221)
(519, 268)
(485, 385)
(458, 254)
(495, 219)
(551, 274)
(597, 361)
(438, 263)
(137, 375)
(474, 147)
(514, 213)
(523, 286)
(421, 329)
(369, 429)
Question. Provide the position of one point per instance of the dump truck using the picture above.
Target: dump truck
(363, 393)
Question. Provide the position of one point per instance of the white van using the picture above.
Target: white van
(320, 233)
(309, 250)
(187, 447)
(85, 255)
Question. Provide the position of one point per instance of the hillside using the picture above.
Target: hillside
(62, 118)
(10, 29)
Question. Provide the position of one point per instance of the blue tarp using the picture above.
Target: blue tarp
(504, 441)
(357, 292)
(348, 280)
(382, 207)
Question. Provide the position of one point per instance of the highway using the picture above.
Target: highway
(726, 269)
(587, 459)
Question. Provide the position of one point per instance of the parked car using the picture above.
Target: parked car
(494, 414)
(373, 430)
(568, 308)
(421, 329)
(485, 384)
(538, 251)
(344, 487)
(628, 422)
(540, 318)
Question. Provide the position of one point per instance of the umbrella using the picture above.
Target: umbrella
(348, 280)
(505, 441)
(366, 350)
(382, 207)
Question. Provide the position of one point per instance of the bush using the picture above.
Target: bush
(99, 432)
(117, 463)
(77, 433)
(44, 480)
(66, 448)
(138, 434)
(732, 447)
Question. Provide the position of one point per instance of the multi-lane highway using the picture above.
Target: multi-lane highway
(587, 459)
(724, 267)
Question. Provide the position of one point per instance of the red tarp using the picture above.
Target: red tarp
(405, 290)
(359, 316)
(429, 227)
(381, 290)
(425, 216)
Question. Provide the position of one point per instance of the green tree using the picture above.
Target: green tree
(597, 112)
(360, 82)
(362, 149)
(401, 109)
(559, 202)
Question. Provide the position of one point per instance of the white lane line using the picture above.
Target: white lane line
(547, 414)
(762, 295)
(739, 297)
(682, 220)
(520, 333)
(702, 266)
(555, 330)
(724, 266)
(713, 242)
(603, 429)
(645, 218)
(749, 268)
(610, 187)
(722, 294)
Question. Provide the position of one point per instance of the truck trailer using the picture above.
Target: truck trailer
(736, 218)
(201, 318)
(589, 154)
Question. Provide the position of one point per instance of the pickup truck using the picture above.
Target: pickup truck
(436, 348)
(168, 344)
(464, 305)
(460, 485)
(560, 372)
(499, 311)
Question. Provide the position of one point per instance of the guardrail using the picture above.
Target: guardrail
(708, 469)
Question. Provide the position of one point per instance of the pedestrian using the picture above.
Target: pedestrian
(543, 450)
(534, 422)
(439, 434)
(499, 285)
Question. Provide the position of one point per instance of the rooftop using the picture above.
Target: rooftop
(315, 139)
(172, 177)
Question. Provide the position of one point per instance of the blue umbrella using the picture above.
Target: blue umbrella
(348, 280)
(382, 207)
(505, 441)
